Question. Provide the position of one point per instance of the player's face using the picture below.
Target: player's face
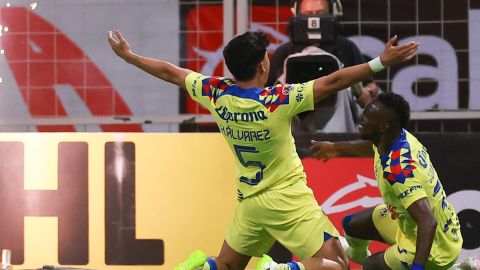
(314, 7)
(371, 120)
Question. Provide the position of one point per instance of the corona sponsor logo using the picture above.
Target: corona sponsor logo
(226, 115)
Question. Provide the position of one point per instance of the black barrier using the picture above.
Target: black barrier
(456, 159)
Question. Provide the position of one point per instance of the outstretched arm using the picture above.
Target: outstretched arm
(345, 77)
(326, 150)
(158, 68)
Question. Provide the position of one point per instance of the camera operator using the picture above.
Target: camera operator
(346, 109)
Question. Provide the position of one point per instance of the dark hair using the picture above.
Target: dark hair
(243, 53)
(398, 104)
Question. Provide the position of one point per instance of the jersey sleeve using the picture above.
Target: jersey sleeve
(291, 99)
(199, 88)
(409, 183)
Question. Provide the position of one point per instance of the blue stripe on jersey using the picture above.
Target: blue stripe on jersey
(436, 189)
(239, 195)
(216, 87)
(258, 94)
(326, 236)
(293, 266)
(345, 224)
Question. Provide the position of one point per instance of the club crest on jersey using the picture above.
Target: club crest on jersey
(287, 89)
(383, 212)
(272, 97)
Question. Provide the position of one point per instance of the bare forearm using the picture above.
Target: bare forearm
(350, 75)
(160, 69)
(341, 79)
(358, 148)
(425, 235)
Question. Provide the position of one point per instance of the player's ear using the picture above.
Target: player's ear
(261, 67)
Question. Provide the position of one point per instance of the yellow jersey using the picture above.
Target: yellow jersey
(405, 175)
(256, 123)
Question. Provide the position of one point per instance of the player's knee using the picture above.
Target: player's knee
(367, 265)
(375, 262)
(346, 224)
(340, 264)
(344, 264)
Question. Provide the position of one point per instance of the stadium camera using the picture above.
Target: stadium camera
(312, 29)
(309, 29)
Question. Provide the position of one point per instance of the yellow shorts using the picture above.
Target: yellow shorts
(400, 259)
(290, 215)
(396, 256)
(385, 225)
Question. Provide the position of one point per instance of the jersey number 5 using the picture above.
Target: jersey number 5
(259, 175)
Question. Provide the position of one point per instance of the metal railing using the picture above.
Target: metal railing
(170, 123)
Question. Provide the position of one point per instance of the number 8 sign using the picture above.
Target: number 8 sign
(314, 23)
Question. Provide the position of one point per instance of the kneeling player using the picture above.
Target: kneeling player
(417, 221)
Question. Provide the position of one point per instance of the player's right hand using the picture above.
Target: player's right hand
(120, 47)
(323, 150)
(393, 55)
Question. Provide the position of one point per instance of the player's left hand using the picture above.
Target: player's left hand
(394, 55)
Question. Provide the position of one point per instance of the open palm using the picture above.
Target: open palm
(120, 47)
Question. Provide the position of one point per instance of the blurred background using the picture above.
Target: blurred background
(58, 69)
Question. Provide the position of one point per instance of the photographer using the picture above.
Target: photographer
(341, 117)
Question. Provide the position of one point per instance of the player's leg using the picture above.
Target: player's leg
(395, 258)
(376, 262)
(331, 256)
(228, 259)
(369, 224)
(359, 230)
(398, 257)
(245, 238)
(360, 225)
(300, 225)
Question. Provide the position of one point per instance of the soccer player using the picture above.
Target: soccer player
(417, 221)
(274, 200)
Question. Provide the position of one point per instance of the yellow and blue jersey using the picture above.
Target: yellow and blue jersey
(405, 175)
(256, 123)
